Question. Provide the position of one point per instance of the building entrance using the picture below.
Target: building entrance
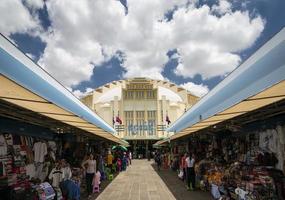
(140, 148)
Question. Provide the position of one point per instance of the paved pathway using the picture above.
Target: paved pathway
(142, 182)
(139, 182)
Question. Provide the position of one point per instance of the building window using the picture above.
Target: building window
(151, 94)
(129, 94)
(139, 94)
(151, 119)
(129, 121)
(140, 122)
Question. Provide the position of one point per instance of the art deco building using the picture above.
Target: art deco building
(140, 109)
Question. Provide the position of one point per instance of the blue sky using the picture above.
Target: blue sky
(127, 40)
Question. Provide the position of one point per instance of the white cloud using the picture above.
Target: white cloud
(198, 90)
(81, 94)
(86, 33)
(35, 4)
(15, 18)
(223, 7)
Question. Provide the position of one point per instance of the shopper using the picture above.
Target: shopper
(66, 171)
(130, 157)
(96, 181)
(190, 161)
(56, 175)
(183, 166)
(110, 159)
(158, 160)
(90, 168)
(124, 162)
(148, 155)
(119, 164)
(165, 161)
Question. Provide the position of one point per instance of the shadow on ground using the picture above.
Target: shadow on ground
(177, 186)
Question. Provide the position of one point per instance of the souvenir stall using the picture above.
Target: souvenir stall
(241, 166)
(24, 163)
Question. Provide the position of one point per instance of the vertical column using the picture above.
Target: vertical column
(145, 120)
(163, 103)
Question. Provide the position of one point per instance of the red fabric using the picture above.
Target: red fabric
(119, 120)
(183, 162)
(168, 120)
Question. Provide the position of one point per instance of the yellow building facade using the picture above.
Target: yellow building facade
(140, 109)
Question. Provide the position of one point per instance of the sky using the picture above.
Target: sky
(193, 43)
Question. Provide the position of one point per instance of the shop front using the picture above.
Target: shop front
(236, 132)
(45, 132)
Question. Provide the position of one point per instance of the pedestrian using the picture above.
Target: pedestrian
(119, 164)
(165, 161)
(56, 175)
(66, 171)
(110, 159)
(148, 155)
(184, 166)
(130, 157)
(124, 162)
(96, 181)
(190, 161)
(158, 160)
(89, 166)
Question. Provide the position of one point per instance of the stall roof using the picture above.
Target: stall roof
(25, 84)
(257, 82)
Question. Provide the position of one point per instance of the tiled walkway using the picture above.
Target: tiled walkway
(139, 182)
(142, 182)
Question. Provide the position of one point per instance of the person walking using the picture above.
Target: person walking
(184, 166)
(148, 155)
(158, 160)
(89, 166)
(190, 162)
(130, 157)
(110, 159)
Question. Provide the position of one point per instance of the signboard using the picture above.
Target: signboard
(139, 86)
(148, 127)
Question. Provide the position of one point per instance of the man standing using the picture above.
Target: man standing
(184, 166)
(158, 160)
(190, 161)
(130, 157)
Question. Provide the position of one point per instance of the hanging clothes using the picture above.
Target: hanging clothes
(3, 146)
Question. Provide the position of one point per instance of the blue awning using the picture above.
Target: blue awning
(263, 70)
(18, 68)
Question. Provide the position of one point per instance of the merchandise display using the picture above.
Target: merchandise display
(241, 166)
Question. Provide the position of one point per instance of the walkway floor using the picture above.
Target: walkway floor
(142, 182)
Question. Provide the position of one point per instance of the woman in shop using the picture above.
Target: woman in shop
(190, 162)
(89, 166)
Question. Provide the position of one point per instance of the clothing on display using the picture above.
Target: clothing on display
(245, 166)
(40, 151)
(3, 146)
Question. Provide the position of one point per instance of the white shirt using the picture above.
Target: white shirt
(91, 166)
(66, 173)
(40, 150)
(190, 163)
(56, 176)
